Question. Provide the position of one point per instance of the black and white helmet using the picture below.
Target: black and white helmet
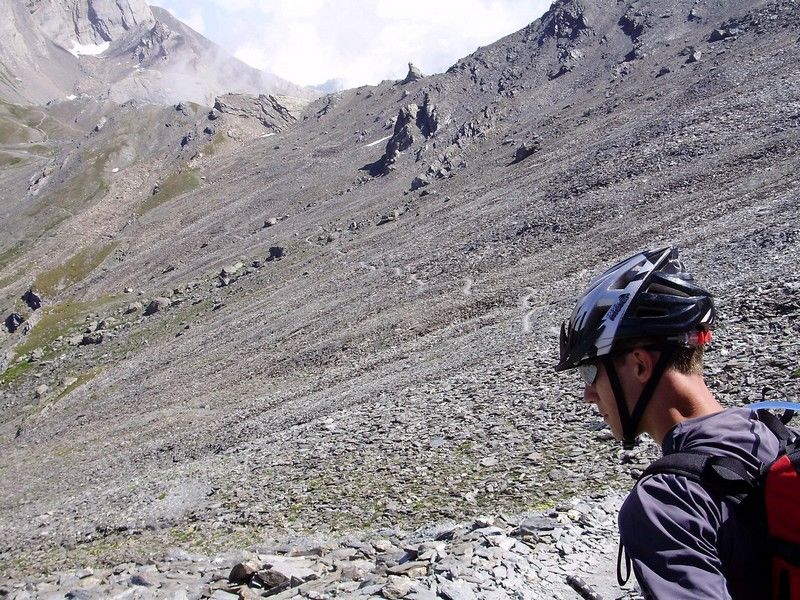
(647, 296)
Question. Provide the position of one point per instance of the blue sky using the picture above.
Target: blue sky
(361, 42)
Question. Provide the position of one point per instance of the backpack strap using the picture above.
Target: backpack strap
(777, 427)
(721, 475)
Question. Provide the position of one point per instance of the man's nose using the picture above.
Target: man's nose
(589, 395)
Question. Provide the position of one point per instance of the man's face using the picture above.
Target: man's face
(601, 394)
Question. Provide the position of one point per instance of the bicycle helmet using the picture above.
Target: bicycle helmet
(649, 295)
(648, 299)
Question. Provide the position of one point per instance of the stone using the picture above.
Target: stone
(32, 299)
(276, 253)
(525, 150)
(96, 337)
(230, 270)
(457, 590)
(271, 221)
(13, 321)
(223, 595)
(41, 390)
(145, 579)
(242, 573)
(133, 307)
(36, 355)
(414, 74)
(411, 568)
(397, 587)
(157, 305)
(419, 181)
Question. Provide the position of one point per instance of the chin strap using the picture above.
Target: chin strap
(630, 422)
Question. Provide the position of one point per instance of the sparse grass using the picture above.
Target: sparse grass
(81, 379)
(58, 320)
(40, 150)
(13, 132)
(171, 187)
(15, 371)
(85, 186)
(9, 255)
(23, 124)
(9, 160)
(219, 140)
(75, 269)
(796, 374)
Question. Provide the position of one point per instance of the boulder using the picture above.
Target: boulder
(96, 337)
(133, 307)
(419, 182)
(157, 305)
(32, 299)
(276, 253)
(525, 150)
(13, 321)
(242, 573)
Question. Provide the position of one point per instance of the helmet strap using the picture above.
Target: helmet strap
(630, 421)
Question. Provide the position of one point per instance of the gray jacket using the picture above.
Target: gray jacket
(684, 543)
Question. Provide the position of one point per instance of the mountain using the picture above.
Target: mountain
(118, 50)
(267, 319)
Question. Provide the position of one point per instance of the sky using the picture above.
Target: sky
(360, 42)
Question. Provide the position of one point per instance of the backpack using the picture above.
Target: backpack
(772, 494)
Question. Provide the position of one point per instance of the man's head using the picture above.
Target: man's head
(640, 318)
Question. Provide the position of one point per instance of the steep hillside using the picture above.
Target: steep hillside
(259, 320)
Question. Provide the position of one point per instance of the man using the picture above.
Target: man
(637, 337)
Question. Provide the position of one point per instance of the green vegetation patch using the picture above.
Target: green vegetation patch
(171, 187)
(75, 269)
(81, 380)
(9, 255)
(9, 160)
(13, 132)
(217, 142)
(57, 320)
(15, 371)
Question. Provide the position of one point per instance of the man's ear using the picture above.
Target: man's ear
(643, 363)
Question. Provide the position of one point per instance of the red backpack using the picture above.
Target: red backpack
(773, 494)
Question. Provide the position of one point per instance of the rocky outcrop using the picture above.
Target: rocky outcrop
(566, 20)
(414, 122)
(272, 112)
(414, 74)
(90, 22)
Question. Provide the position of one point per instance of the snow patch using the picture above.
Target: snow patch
(89, 49)
(376, 142)
(71, 97)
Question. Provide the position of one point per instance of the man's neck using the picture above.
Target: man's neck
(677, 398)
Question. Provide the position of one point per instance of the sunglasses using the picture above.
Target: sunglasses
(588, 373)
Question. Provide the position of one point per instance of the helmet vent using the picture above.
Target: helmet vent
(657, 288)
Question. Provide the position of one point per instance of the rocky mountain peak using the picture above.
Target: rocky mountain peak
(89, 22)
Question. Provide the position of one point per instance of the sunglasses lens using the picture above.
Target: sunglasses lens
(589, 373)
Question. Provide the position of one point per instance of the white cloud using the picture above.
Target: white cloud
(188, 12)
(360, 41)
